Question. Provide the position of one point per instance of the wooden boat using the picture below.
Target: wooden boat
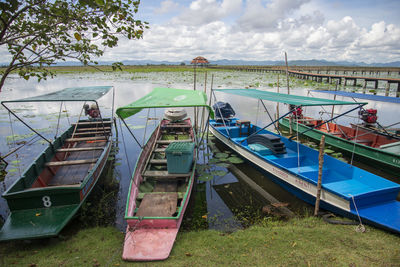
(346, 190)
(163, 178)
(363, 142)
(52, 189)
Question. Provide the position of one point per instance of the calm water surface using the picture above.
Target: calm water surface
(226, 195)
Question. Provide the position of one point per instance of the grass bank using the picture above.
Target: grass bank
(298, 242)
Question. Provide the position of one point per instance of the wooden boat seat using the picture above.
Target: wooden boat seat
(165, 175)
(70, 162)
(158, 161)
(158, 205)
(166, 142)
(78, 149)
(86, 139)
(88, 123)
(93, 133)
(94, 129)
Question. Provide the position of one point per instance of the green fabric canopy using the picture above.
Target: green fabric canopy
(285, 98)
(89, 93)
(164, 98)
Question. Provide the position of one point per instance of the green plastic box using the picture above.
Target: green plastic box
(179, 157)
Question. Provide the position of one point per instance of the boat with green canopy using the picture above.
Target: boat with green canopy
(344, 189)
(52, 189)
(163, 178)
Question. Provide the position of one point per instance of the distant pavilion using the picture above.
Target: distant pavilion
(200, 61)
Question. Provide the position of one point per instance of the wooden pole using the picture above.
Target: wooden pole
(277, 103)
(321, 163)
(203, 109)
(194, 88)
(334, 98)
(287, 74)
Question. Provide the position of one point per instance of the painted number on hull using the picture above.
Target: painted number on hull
(46, 201)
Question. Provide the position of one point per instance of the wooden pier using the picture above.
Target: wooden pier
(331, 74)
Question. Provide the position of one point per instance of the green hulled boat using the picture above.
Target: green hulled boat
(49, 193)
(363, 143)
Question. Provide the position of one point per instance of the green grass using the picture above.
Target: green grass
(298, 242)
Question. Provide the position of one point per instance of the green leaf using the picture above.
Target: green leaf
(77, 36)
(235, 160)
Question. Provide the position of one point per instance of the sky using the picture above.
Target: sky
(334, 30)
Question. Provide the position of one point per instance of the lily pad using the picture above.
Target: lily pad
(328, 151)
(213, 160)
(219, 173)
(205, 177)
(223, 164)
(235, 160)
(221, 155)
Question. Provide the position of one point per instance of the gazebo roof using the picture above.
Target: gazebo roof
(200, 60)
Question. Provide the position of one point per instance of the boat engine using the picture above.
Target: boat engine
(91, 111)
(223, 110)
(297, 112)
(368, 116)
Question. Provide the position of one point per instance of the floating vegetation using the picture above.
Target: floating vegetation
(235, 160)
(205, 177)
(219, 173)
(221, 155)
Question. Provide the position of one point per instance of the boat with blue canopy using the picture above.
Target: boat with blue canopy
(346, 190)
(52, 189)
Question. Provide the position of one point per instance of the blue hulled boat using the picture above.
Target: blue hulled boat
(346, 189)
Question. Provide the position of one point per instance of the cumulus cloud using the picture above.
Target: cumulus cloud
(201, 12)
(258, 16)
(166, 7)
(279, 26)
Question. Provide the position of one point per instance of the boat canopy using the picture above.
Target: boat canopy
(165, 98)
(362, 96)
(285, 98)
(89, 93)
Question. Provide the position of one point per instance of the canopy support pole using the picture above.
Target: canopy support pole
(24, 123)
(340, 115)
(223, 120)
(269, 115)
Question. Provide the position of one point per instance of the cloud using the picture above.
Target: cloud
(166, 7)
(201, 12)
(260, 17)
(262, 31)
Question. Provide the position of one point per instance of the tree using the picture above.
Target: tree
(38, 33)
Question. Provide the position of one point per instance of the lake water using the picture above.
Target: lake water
(227, 196)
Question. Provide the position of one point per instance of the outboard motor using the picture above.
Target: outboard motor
(297, 111)
(223, 110)
(368, 116)
(93, 111)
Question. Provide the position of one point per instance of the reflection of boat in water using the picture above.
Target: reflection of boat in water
(347, 190)
(50, 192)
(162, 181)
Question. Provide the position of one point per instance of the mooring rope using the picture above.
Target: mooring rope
(360, 227)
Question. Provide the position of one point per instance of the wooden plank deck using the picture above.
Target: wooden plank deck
(158, 205)
(69, 175)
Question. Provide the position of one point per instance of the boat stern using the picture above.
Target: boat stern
(148, 244)
(36, 223)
